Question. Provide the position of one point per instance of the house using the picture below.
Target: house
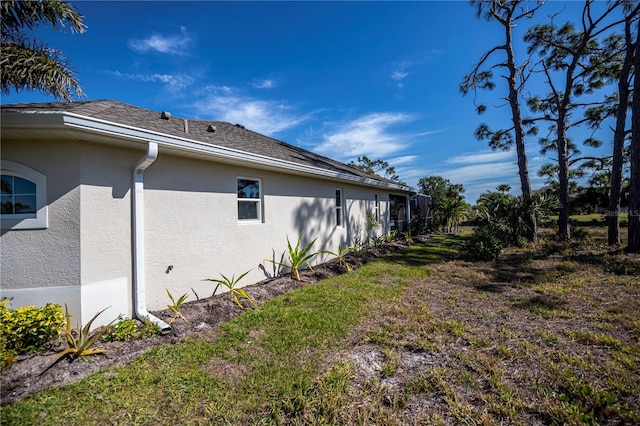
(108, 204)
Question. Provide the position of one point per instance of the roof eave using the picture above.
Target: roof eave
(64, 119)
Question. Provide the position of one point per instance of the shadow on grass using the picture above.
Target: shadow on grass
(541, 303)
(436, 248)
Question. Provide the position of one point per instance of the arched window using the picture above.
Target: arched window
(23, 198)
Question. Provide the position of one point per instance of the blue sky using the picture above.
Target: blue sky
(343, 79)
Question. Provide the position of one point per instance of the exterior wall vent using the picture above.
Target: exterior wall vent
(211, 128)
(165, 115)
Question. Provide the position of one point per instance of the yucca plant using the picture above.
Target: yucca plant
(175, 307)
(341, 254)
(233, 290)
(407, 237)
(378, 241)
(81, 340)
(298, 257)
(390, 237)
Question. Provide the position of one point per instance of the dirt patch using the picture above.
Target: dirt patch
(34, 372)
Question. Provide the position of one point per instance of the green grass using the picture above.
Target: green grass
(279, 351)
(417, 337)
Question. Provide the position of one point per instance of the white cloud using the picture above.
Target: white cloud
(482, 157)
(399, 75)
(263, 116)
(264, 84)
(401, 161)
(175, 82)
(170, 44)
(484, 171)
(368, 135)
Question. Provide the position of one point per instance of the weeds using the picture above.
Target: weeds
(126, 329)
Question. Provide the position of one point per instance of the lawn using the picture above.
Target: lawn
(548, 334)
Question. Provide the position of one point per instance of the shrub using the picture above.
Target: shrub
(487, 242)
(129, 329)
(27, 329)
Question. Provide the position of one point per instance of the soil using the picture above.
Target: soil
(35, 372)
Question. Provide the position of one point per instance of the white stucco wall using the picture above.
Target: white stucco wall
(192, 231)
(190, 214)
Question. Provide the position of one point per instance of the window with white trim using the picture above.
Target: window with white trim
(339, 217)
(23, 197)
(249, 200)
(377, 201)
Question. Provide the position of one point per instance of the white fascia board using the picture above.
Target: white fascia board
(81, 122)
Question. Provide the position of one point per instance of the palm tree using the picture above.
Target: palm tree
(28, 64)
(454, 210)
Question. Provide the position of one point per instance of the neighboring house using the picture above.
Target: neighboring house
(108, 204)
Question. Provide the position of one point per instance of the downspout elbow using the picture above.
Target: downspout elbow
(139, 284)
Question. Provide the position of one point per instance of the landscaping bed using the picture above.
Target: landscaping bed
(33, 372)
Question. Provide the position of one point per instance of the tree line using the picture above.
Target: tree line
(588, 68)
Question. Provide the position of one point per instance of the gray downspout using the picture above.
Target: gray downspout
(140, 308)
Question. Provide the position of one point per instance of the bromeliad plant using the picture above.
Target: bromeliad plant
(233, 290)
(340, 255)
(298, 257)
(175, 307)
(81, 340)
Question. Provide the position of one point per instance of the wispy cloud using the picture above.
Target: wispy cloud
(485, 170)
(399, 73)
(368, 135)
(264, 116)
(400, 70)
(175, 82)
(481, 157)
(263, 84)
(402, 161)
(175, 44)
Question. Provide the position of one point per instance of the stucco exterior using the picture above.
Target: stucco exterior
(85, 255)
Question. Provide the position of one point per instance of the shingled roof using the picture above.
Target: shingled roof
(226, 135)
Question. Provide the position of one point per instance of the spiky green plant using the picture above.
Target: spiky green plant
(81, 340)
(407, 237)
(298, 257)
(175, 307)
(342, 252)
(391, 236)
(231, 284)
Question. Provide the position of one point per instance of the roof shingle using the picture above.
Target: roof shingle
(227, 135)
